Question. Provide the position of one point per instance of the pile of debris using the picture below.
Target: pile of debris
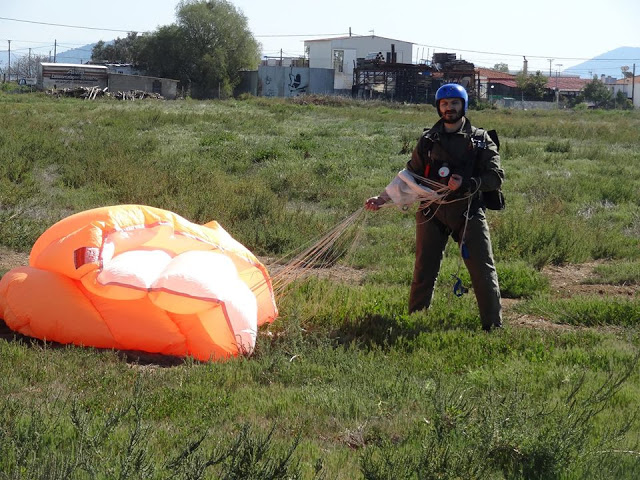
(136, 95)
(91, 93)
(79, 92)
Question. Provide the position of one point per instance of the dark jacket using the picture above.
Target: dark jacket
(469, 152)
(437, 147)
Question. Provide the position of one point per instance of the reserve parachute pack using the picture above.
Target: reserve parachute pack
(493, 199)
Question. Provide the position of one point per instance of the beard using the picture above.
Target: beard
(452, 116)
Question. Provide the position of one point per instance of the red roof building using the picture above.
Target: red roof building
(567, 85)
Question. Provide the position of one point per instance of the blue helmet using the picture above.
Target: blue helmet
(452, 90)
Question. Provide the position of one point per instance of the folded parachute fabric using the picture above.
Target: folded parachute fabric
(133, 277)
(405, 191)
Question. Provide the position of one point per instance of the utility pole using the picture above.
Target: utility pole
(633, 86)
(557, 91)
(9, 68)
(29, 64)
(55, 48)
(550, 60)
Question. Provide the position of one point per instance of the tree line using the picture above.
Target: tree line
(205, 49)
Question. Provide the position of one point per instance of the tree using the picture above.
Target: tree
(205, 49)
(501, 67)
(622, 102)
(165, 54)
(597, 93)
(533, 87)
(218, 45)
(121, 50)
(26, 66)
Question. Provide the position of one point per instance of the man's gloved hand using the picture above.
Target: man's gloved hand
(374, 203)
(455, 182)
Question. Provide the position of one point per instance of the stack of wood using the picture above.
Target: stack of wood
(91, 93)
(88, 93)
(136, 95)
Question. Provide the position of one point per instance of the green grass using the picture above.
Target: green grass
(345, 384)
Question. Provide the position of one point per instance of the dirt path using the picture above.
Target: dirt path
(566, 281)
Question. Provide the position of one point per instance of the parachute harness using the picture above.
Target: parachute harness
(458, 288)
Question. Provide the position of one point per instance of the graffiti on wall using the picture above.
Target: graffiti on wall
(298, 82)
(270, 89)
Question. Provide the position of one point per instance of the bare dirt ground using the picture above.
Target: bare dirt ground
(10, 259)
(566, 281)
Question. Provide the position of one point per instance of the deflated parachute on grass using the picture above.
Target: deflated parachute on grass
(133, 277)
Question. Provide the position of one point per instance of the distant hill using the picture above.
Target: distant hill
(76, 55)
(608, 63)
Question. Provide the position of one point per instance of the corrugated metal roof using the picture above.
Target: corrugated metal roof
(74, 65)
(351, 37)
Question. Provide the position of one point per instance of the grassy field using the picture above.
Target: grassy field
(345, 384)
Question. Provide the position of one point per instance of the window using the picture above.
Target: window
(338, 60)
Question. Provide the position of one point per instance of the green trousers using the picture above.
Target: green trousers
(432, 234)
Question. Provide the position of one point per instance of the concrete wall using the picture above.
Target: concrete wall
(270, 81)
(166, 87)
(526, 105)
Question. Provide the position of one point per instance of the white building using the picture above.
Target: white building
(71, 75)
(630, 86)
(341, 54)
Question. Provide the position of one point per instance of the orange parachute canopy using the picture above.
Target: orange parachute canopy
(133, 277)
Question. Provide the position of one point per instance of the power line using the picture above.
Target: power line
(66, 26)
(546, 57)
(302, 35)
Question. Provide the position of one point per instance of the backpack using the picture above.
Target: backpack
(493, 199)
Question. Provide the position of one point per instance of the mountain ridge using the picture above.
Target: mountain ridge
(608, 63)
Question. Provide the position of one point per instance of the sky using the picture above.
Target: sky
(552, 34)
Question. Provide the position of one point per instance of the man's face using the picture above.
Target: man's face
(451, 109)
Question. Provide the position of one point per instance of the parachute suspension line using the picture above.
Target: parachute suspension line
(458, 288)
(431, 193)
(324, 251)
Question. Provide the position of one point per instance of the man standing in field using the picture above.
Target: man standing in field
(466, 160)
